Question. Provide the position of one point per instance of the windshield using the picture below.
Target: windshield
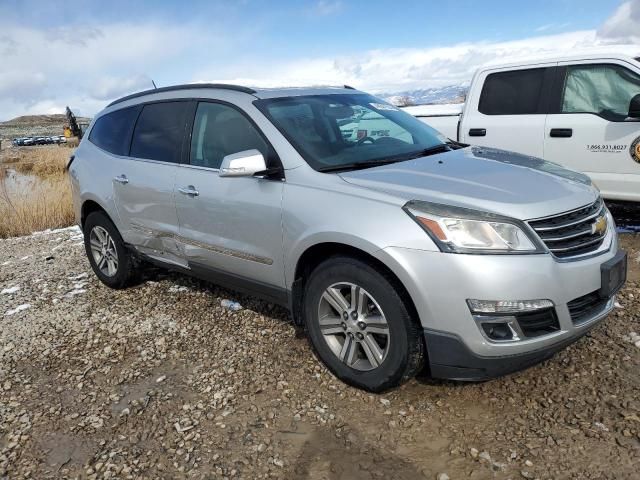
(349, 130)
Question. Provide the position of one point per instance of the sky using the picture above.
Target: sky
(88, 52)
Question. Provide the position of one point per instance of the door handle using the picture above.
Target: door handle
(190, 190)
(122, 179)
(477, 132)
(561, 132)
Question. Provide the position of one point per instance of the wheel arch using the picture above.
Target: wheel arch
(315, 254)
(88, 207)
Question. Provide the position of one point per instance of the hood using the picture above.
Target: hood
(482, 178)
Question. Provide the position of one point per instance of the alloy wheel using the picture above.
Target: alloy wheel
(104, 251)
(354, 326)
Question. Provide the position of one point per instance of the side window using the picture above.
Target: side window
(512, 93)
(604, 90)
(159, 131)
(112, 132)
(220, 130)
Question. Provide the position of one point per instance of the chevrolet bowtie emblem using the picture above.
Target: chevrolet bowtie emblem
(599, 226)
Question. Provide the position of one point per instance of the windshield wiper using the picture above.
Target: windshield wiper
(443, 147)
(357, 165)
(386, 161)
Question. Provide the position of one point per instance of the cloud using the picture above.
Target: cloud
(107, 88)
(552, 26)
(327, 7)
(87, 65)
(408, 68)
(624, 25)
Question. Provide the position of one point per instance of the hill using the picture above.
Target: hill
(35, 125)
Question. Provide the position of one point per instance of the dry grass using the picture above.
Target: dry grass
(46, 162)
(44, 200)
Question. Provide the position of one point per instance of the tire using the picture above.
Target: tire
(118, 270)
(386, 320)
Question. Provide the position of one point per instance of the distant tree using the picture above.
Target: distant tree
(403, 101)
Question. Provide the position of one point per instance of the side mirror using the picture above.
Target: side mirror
(634, 107)
(243, 164)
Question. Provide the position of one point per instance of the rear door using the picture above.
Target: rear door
(230, 227)
(589, 130)
(143, 185)
(509, 110)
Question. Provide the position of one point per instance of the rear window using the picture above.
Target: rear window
(512, 93)
(112, 132)
(159, 131)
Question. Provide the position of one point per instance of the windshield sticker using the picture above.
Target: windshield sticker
(635, 150)
(383, 106)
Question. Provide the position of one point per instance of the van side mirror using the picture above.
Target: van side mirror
(243, 164)
(634, 107)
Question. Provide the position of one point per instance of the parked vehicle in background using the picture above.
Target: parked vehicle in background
(392, 249)
(582, 112)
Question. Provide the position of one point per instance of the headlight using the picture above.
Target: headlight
(462, 230)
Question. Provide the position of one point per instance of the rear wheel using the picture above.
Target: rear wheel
(360, 325)
(110, 260)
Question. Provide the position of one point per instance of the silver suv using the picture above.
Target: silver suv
(391, 245)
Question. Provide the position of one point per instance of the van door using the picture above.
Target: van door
(590, 131)
(143, 186)
(230, 228)
(509, 111)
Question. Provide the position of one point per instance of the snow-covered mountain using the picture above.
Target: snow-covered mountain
(422, 96)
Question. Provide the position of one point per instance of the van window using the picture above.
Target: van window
(220, 130)
(604, 90)
(512, 93)
(159, 131)
(112, 132)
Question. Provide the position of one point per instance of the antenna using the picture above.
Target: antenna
(154, 84)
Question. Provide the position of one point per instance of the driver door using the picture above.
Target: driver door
(229, 227)
(591, 133)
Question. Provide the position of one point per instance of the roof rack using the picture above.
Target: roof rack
(188, 86)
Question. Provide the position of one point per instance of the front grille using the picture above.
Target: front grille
(535, 324)
(586, 306)
(571, 234)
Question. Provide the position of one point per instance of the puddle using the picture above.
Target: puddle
(15, 184)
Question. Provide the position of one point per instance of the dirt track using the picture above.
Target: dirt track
(159, 381)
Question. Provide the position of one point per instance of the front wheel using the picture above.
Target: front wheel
(360, 324)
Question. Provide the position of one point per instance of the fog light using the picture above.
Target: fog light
(507, 306)
(497, 331)
(499, 328)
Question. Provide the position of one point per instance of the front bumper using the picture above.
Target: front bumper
(440, 283)
(451, 359)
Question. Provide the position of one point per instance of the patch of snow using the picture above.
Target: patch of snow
(178, 288)
(79, 276)
(19, 308)
(231, 305)
(6, 263)
(10, 290)
(25, 257)
(49, 231)
(75, 291)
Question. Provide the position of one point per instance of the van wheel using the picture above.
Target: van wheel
(360, 326)
(110, 260)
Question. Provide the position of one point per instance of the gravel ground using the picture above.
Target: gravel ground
(160, 381)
